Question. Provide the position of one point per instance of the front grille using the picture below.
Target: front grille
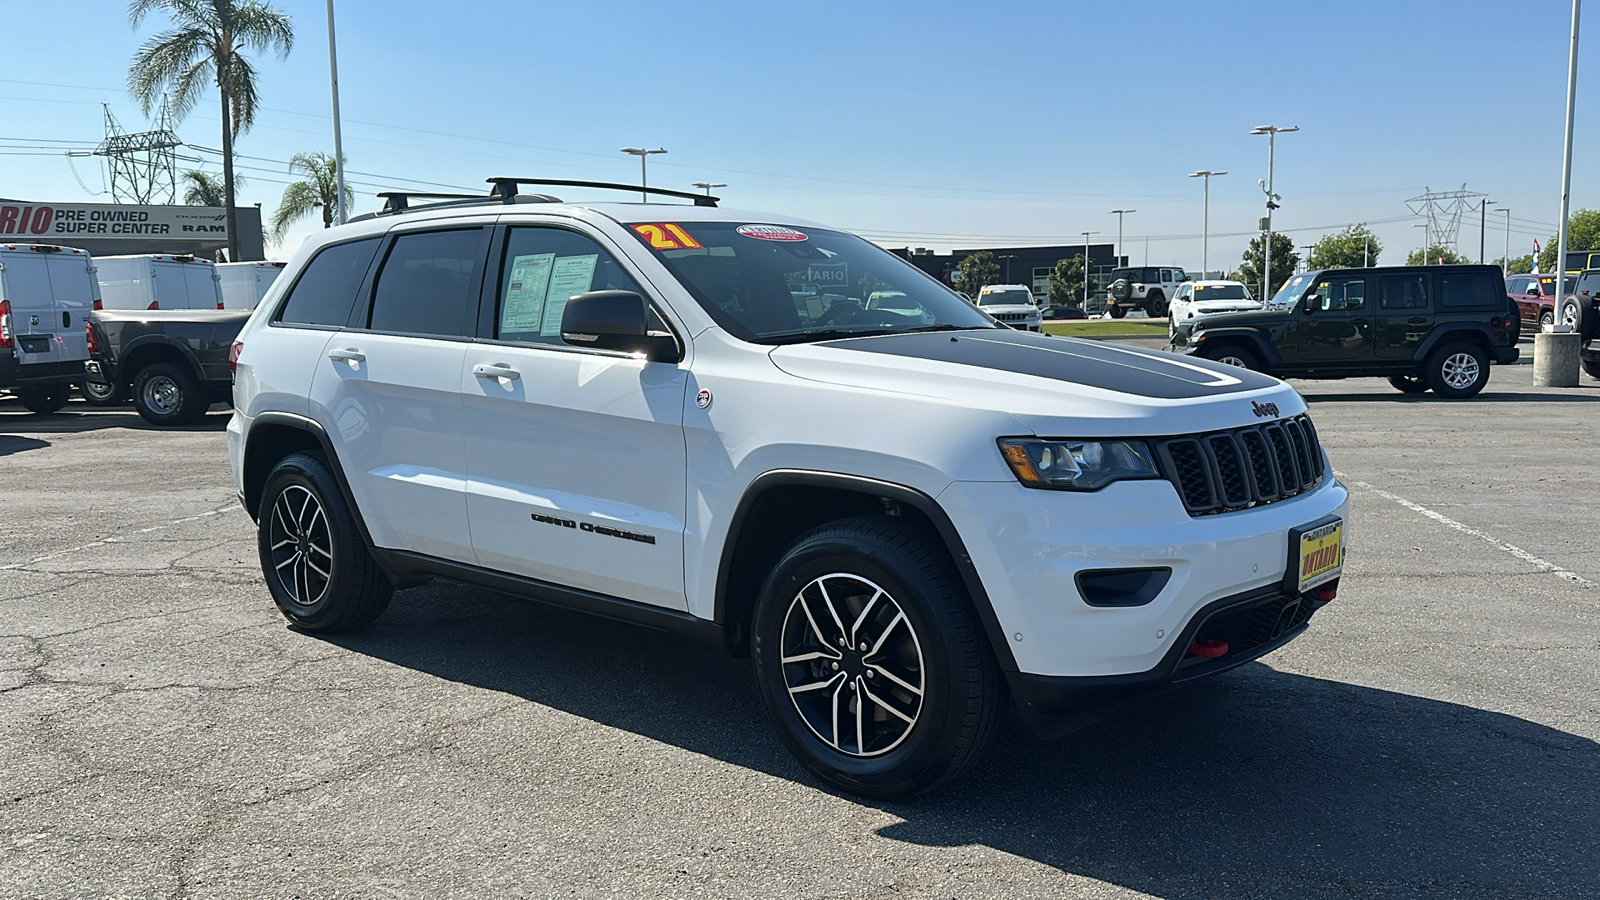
(1011, 317)
(1243, 467)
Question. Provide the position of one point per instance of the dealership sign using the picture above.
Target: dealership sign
(67, 223)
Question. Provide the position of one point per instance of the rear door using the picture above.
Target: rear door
(169, 285)
(73, 286)
(204, 290)
(1404, 315)
(34, 321)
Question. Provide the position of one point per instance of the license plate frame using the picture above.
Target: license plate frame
(1303, 572)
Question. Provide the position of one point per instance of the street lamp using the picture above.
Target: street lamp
(1118, 213)
(1008, 257)
(1424, 227)
(643, 154)
(341, 206)
(1506, 260)
(1271, 131)
(1086, 268)
(1205, 227)
(707, 186)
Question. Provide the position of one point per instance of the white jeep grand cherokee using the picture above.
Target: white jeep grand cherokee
(690, 418)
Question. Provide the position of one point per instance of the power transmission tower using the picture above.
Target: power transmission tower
(1443, 210)
(142, 165)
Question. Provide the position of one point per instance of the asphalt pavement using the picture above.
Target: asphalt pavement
(164, 734)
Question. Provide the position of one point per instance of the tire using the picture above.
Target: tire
(99, 393)
(1579, 312)
(892, 581)
(44, 401)
(1409, 384)
(1117, 312)
(1156, 305)
(1121, 290)
(1548, 317)
(1233, 355)
(165, 394)
(1457, 370)
(304, 520)
(1592, 366)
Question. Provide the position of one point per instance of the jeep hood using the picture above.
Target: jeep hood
(1053, 385)
(1254, 318)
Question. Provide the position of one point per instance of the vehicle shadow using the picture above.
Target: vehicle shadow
(1591, 394)
(10, 444)
(78, 418)
(1258, 783)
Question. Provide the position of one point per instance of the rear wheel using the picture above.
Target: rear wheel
(165, 394)
(44, 400)
(100, 393)
(1410, 384)
(1117, 312)
(870, 661)
(1233, 355)
(1156, 307)
(1457, 371)
(312, 554)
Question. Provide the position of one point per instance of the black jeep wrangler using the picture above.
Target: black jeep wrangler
(1582, 312)
(1424, 327)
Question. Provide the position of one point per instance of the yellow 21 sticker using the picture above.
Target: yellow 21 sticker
(666, 236)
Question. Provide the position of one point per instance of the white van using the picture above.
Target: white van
(158, 281)
(245, 283)
(45, 293)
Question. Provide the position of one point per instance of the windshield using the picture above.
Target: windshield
(771, 284)
(1005, 298)
(1291, 291)
(1221, 292)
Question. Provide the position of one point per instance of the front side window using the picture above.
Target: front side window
(326, 291)
(1462, 290)
(542, 269)
(772, 284)
(425, 285)
(1403, 291)
(1341, 294)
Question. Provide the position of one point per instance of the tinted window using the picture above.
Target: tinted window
(1588, 284)
(1516, 285)
(1403, 291)
(1342, 293)
(543, 267)
(1470, 289)
(326, 291)
(425, 285)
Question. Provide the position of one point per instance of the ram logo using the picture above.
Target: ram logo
(1263, 410)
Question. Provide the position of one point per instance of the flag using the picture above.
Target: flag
(1535, 256)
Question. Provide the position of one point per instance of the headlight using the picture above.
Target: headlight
(1073, 465)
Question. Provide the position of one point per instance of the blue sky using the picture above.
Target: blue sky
(931, 124)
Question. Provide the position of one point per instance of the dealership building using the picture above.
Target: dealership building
(113, 229)
(1029, 266)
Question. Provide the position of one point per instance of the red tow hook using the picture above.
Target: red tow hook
(1209, 649)
(1323, 595)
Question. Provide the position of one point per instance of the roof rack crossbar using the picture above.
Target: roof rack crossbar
(399, 201)
(506, 189)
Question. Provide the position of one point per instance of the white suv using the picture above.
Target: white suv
(692, 419)
(1011, 305)
(1149, 288)
(1202, 298)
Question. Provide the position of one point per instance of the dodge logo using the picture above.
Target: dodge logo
(1264, 409)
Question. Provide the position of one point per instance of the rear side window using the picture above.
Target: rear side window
(426, 284)
(1516, 285)
(1470, 290)
(326, 291)
(1403, 291)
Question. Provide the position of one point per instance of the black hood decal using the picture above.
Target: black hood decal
(1112, 367)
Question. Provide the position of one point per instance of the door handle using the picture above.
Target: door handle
(498, 370)
(1416, 320)
(349, 355)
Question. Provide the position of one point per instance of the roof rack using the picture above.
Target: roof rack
(505, 189)
(400, 201)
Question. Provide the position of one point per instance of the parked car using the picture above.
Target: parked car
(623, 408)
(1535, 296)
(243, 284)
(174, 363)
(45, 292)
(1149, 288)
(1198, 298)
(1581, 310)
(1011, 305)
(1058, 313)
(1423, 327)
(158, 281)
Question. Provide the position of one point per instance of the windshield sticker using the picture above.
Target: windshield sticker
(771, 233)
(667, 236)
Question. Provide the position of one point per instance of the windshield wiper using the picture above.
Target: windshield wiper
(949, 327)
(806, 335)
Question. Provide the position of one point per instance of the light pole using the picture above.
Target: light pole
(1566, 162)
(1119, 214)
(341, 210)
(1506, 260)
(1483, 217)
(1205, 221)
(1086, 268)
(707, 186)
(643, 154)
(1424, 227)
(1271, 131)
(1008, 257)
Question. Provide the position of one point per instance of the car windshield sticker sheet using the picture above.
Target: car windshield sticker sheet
(523, 310)
(569, 275)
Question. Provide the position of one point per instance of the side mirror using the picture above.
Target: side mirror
(1310, 303)
(613, 320)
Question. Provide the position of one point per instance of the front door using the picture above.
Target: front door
(1405, 315)
(1334, 324)
(576, 461)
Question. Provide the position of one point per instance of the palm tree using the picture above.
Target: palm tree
(203, 189)
(207, 43)
(316, 189)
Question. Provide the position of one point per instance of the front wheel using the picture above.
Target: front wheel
(870, 661)
(1233, 355)
(1409, 384)
(1547, 318)
(1457, 371)
(44, 400)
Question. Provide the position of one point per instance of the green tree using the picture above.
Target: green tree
(1436, 254)
(206, 46)
(1066, 282)
(1519, 265)
(975, 271)
(1352, 248)
(1583, 233)
(202, 188)
(316, 190)
(1284, 263)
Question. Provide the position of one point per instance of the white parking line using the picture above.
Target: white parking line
(1448, 522)
(115, 538)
